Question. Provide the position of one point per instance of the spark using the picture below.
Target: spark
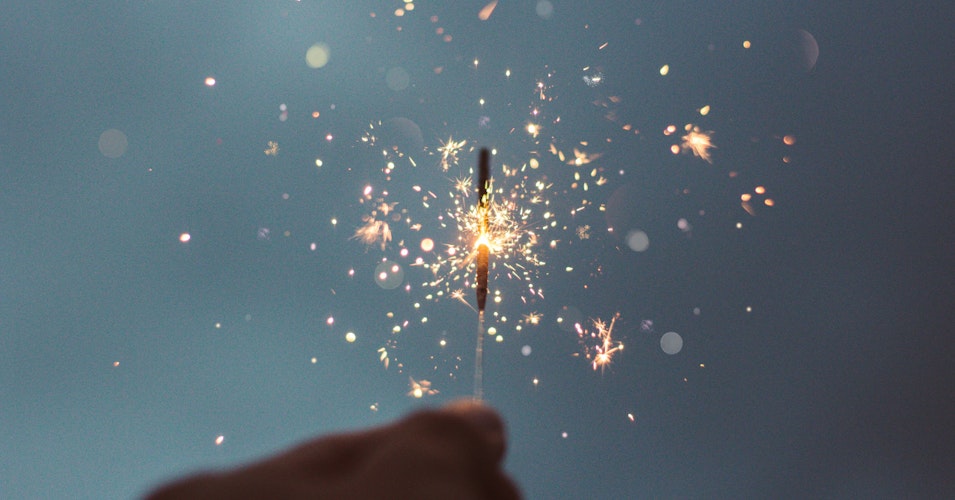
(449, 152)
(383, 357)
(420, 388)
(582, 158)
(375, 230)
(698, 142)
(599, 344)
(463, 185)
(532, 318)
(272, 149)
(487, 10)
(594, 79)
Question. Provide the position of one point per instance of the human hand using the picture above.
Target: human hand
(450, 453)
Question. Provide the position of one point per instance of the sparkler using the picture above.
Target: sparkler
(483, 256)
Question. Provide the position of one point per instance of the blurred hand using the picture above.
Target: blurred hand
(449, 453)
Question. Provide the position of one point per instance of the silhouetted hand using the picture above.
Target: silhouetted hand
(449, 453)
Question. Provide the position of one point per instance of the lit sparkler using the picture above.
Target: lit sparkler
(483, 256)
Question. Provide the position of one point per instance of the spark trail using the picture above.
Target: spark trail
(483, 258)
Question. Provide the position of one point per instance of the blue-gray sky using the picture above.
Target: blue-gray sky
(816, 358)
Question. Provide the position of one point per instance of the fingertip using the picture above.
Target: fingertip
(485, 419)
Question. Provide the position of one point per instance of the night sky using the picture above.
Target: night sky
(182, 257)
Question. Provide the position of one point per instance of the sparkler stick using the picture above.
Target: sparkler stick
(483, 258)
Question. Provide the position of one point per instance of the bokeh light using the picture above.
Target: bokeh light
(113, 143)
(671, 343)
(317, 55)
(397, 79)
(545, 9)
(389, 275)
(637, 240)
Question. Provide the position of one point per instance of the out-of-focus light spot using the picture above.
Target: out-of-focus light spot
(544, 9)
(329, 137)
(314, 360)
(769, 202)
(739, 225)
(809, 50)
(319, 162)
(112, 143)
(563, 434)
(185, 237)
(220, 440)
(427, 244)
(389, 275)
(749, 309)
(671, 343)
(637, 240)
(317, 56)
(789, 140)
(631, 417)
(760, 190)
(316, 114)
(492, 331)
(218, 325)
(330, 321)
(535, 381)
(397, 79)
(334, 221)
(526, 350)
(115, 364)
(664, 70)
(350, 337)
(533, 129)
(747, 44)
(499, 338)
(210, 81)
(675, 149)
(705, 110)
